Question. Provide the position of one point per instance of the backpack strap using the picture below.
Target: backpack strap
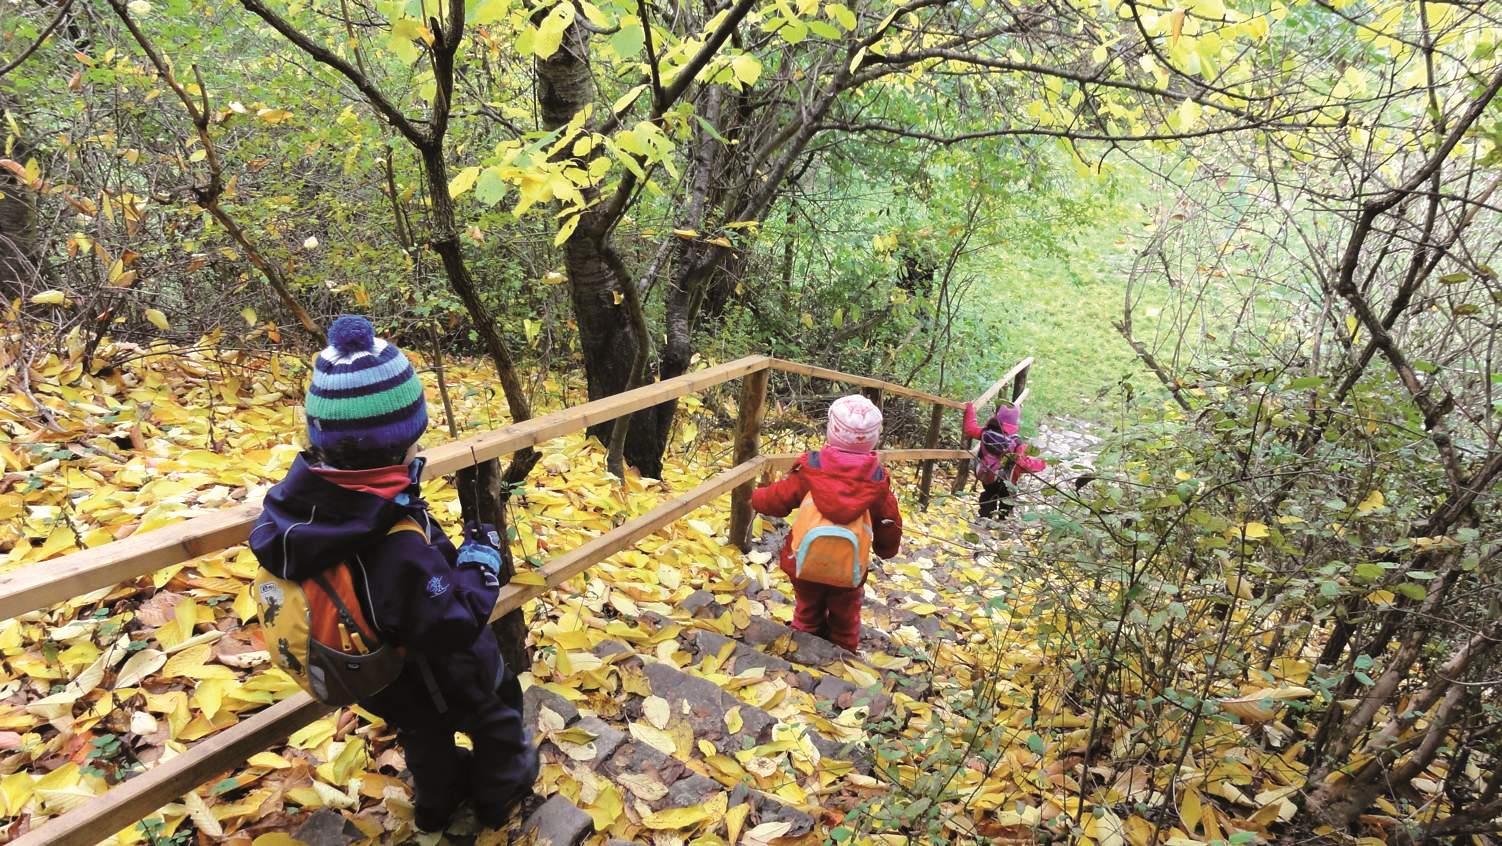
(432, 682)
(407, 524)
(813, 459)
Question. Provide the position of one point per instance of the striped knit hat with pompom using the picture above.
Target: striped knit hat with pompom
(364, 389)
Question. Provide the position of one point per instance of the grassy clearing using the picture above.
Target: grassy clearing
(1059, 308)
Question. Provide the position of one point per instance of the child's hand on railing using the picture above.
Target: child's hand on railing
(481, 547)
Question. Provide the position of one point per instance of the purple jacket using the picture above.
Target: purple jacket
(413, 591)
(972, 429)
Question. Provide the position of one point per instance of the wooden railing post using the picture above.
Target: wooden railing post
(878, 398)
(931, 441)
(747, 446)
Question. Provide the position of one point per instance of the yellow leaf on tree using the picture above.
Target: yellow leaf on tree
(1373, 501)
(1255, 530)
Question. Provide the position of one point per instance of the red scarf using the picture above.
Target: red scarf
(384, 482)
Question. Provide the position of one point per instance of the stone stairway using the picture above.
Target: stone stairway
(677, 739)
(719, 702)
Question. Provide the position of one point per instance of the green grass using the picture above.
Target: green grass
(1059, 309)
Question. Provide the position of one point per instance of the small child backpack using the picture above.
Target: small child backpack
(317, 633)
(995, 460)
(827, 552)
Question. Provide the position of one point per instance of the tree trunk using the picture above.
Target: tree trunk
(607, 341)
(18, 249)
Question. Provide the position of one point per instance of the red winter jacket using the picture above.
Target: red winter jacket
(844, 485)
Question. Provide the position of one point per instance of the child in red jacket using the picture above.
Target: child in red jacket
(996, 495)
(846, 480)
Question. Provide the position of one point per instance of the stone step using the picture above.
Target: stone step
(645, 776)
(840, 693)
(707, 704)
(797, 648)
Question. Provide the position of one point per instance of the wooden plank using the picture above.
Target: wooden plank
(139, 797)
(865, 381)
(923, 454)
(1018, 368)
(448, 458)
(747, 446)
(49, 582)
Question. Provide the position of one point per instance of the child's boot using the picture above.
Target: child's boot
(496, 813)
(436, 815)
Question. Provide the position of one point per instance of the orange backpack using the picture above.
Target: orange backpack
(316, 632)
(830, 553)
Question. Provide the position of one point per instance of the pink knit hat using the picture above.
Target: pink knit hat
(854, 424)
(1007, 417)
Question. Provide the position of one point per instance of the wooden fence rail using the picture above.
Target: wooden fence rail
(50, 582)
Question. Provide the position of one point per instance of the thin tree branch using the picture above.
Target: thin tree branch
(391, 113)
(35, 45)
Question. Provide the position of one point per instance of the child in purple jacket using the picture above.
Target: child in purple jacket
(366, 411)
(996, 496)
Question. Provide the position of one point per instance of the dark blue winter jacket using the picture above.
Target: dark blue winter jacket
(414, 592)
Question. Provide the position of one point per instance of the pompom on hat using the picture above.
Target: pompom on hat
(364, 389)
(1007, 417)
(854, 424)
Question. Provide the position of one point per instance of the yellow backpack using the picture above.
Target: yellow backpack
(827, 552)
(317, 633)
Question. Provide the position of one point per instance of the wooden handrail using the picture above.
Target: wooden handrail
(1017, 392)
(103, 815)
(47, 583)
(449, 458)
(864, 381)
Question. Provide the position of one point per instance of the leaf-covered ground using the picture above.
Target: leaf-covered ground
(988, 737)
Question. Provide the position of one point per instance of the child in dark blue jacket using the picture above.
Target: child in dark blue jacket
(366, 411)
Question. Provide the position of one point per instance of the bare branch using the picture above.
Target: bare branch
(62, 14)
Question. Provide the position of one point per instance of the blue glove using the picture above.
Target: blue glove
(478, 552)
(482, 533)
